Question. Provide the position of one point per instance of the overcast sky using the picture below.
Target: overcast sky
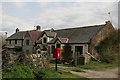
(57, 15)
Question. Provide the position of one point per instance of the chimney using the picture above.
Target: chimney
(51, 30)
(107, 22)
(38, 27)
(17, 30)
(6, 34)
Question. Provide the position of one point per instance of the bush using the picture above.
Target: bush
(67, 54)
(108, 48)
(18, 71)
(54, 61)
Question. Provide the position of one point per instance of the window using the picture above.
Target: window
(57, 45)
(15, 41)
(38, 52)
(27, 42)
(10, 42)
(44, 40)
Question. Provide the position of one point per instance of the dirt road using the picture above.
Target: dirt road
(106, 73)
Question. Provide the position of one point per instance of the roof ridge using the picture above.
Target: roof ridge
(21, 31)
(34, 30)
(81, 27)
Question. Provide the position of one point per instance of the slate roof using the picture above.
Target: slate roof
(62, 40)
(35, 35)
(70, 35)
(79, 34)
(39, 41)
(18, 35)
(50, 33)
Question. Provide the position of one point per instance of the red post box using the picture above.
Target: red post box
(56, 53)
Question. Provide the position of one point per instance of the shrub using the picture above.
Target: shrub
(108, 48)
(18, 71)
(67, 54)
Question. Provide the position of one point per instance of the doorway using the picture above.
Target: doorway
(79, 50)
(79, 58)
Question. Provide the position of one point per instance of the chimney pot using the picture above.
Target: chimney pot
(38, 27)
(17, 30)
(6, 34)
(107, 22)
(51, 29)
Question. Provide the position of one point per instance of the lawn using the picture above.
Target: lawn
(51, 73)
(22, 71)
(94, 65)
(18, 71)
(98, 65)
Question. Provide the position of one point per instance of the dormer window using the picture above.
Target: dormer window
(44, 40)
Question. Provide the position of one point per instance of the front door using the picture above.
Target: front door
(79, 50)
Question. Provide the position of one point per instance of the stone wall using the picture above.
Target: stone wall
(39, 61)
(19, 43)
(87, 58)
(101, 35)
(28, 48)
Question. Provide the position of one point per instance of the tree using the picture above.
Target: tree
(108, 49)
(67, 54)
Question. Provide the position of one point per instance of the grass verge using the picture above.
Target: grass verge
(51, 73)
(21, 71)
(98, 65)
(18, 71)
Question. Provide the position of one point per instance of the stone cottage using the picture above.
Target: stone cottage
(81, 39)
(15, 41)
(24, 40)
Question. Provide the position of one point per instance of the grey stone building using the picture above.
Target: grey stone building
(15, 41)
(81, 39)
(23, 40)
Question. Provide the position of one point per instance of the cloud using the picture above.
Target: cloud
(16, 3)
(0, 15)
(119, 15)
(10, 23)
(78, 14)
(19, 4)
(60, 0)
